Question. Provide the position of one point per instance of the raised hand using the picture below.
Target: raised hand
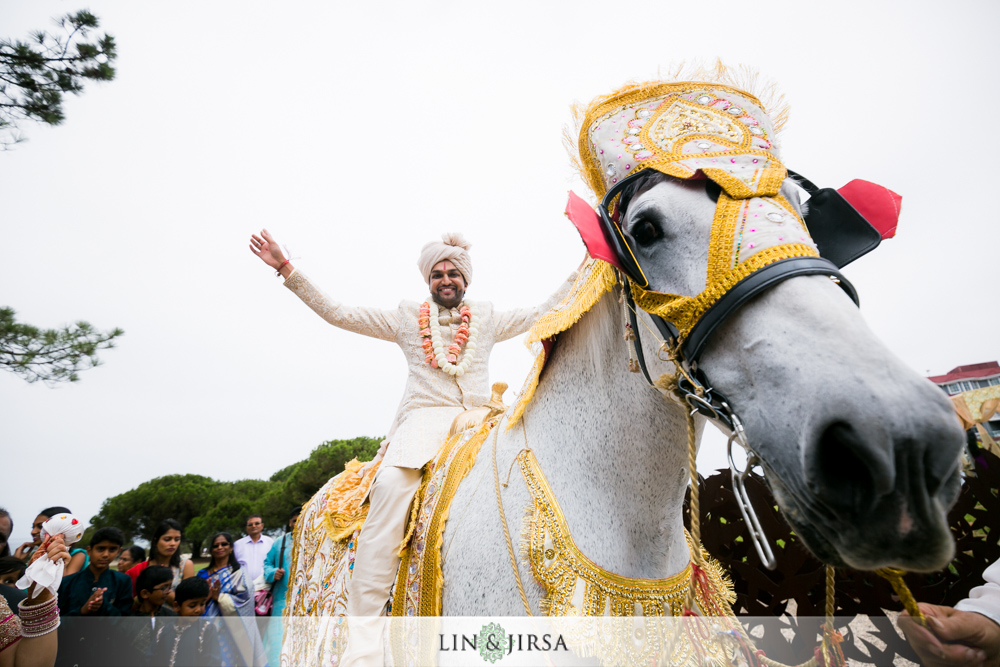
(265, 247)
(214, 589)
(22, 551)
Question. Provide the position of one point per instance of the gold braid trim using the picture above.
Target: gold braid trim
(685, 311)
(456, 457)
(596, 278)
(575, 585)
(414, 510)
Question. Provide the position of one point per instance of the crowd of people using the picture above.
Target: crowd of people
(157, 609)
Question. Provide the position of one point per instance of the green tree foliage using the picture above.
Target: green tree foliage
(50, 355)
(205, 506)
(35, 74)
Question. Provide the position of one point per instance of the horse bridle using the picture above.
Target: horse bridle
(841, 234)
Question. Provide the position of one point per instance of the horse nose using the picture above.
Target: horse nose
(850, 470)
(853, 467)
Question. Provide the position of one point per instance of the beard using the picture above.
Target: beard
(449, 302)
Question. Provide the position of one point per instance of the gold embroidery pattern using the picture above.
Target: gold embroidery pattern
(317, 610)
(576, 586)
(684, 311)
(420, 578)
(683, 119)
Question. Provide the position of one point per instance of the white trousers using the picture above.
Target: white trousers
(376, 562)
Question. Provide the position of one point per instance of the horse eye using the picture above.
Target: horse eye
(646, 231)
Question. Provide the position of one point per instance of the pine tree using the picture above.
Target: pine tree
(35, 74)
(50, 355)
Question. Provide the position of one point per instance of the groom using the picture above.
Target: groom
(447, 342)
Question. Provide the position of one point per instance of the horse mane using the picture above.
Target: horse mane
(598, 327)
(741, 77)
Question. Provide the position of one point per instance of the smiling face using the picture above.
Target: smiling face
(36, 528)
(447, 284)
(221, 548)
(169, 543)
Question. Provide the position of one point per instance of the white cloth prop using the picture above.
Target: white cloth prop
(43, 571)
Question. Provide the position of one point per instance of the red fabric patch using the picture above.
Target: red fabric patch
(879, 205)
(588, 223)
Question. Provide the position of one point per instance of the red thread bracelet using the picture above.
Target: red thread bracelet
(281, 266)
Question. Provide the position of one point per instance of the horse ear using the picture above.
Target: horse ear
(587, 222)
(878, 205)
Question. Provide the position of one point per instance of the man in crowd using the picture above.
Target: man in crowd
(6, 528)
(252, 549)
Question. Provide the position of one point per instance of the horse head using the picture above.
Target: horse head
(861, 452)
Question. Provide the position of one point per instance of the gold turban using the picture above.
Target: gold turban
(453, 248)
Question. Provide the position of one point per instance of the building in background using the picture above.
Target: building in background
(973, 382)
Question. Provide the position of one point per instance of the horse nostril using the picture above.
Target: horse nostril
(845, 472)
(940, 464)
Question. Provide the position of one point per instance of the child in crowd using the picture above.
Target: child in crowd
(154, 584)
(98, 590)
(131, 557)
(11, 570)
(94, 592)
(190, 639)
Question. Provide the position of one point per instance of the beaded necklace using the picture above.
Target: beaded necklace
(436, 354)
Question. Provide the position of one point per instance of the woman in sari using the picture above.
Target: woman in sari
(231, 595)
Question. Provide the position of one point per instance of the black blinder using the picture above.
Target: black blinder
(840, 232)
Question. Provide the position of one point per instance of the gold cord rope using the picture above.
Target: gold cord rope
(503, 522)
(696, 556)
(895, 578)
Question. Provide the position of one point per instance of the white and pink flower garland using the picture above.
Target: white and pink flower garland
(436, 354)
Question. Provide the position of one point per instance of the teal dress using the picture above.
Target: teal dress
(280, 556)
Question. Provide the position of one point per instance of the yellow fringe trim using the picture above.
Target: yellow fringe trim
(561, 568)
(596, 278)
(429, 563)
(344, 512)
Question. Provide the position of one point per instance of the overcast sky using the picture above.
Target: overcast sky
(358, 132)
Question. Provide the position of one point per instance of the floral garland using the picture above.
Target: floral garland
(436, 354)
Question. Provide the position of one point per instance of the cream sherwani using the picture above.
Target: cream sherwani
(431, 401)
(432, 398)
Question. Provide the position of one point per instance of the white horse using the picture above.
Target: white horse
(861, 452)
